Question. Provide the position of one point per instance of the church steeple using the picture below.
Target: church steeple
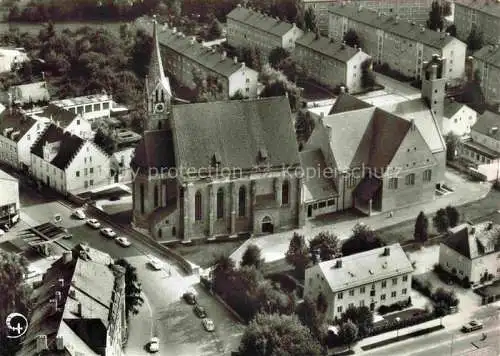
(158, 91)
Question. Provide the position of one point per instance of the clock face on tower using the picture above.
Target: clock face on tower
(159, 107)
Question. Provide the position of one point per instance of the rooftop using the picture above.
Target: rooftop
(489, 7)
(488, 124)
(451, 107)
(323, 45)
(260, 21)
(365, 267)
(398, 27)
(12, 122)
(58, 114)
(474, 241)
(317, 186)
(32, 92)
(489, 54)
(82, 100)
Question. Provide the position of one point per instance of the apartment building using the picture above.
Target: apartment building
(249, 28)
(32, 93)
(186, 59)
(402, 44)
(487, 62)
(330, 63)
(79, 307)
(9, 200)
(484, 15)
(373, 278)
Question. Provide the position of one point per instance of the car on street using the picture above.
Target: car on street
(472, 325)
(79, 214)
(155, 263)
(93, 223)
(200, 311)
(208, 324)
(108, 232)
(154, 345)
(123, 241)
(189, 297)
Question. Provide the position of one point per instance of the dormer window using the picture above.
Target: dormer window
(263, 155)
(216, 159)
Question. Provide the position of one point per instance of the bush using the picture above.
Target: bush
(414, 320)
(384, 309)
(425, 287)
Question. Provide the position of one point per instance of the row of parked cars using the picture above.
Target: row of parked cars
(200, 312)
(105, 231)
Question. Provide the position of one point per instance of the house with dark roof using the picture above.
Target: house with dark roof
(487, 62)
(471, 252)
(402, 44)
(69, 120)
(377, 161)
(31, 93)
(458, 118)
(250, 28)
(18, 132)
(79, 307)
(482, 151)
(68, 163)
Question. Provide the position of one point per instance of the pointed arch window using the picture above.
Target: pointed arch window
(157, 95)
(220, 203)
(197, 206)
(285, 192)
(242, 201)
(162, 96)
(141, 197)
(156, 196)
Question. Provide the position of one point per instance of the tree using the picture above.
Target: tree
(367, 75)
(475, 39)
(362, 317)
(238, 95)
(304, 125)
(443, 301)
(453, 215)
(277, 55)
(15, 296)
(133, 299)
(348, 333)
(224, 268)
(252, 257)
(452, 144)
(310, 21)
(435, 21)
(310, 316)
(363, 238)
(452, 30)
(104, 141)
(327, 244)
(277, 84)
(352, 39)
(421, 228)
(272, 299)
(215, 30)
(441, 221)
(298, 253)
(274, 334)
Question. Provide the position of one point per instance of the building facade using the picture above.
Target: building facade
(330, 63)
(89, 107)
(67, 163)
(373, 278)
(32, 93)
(458, 118)
(402, 45)
(483, 15)
(487, 63)
(11, 58)
(249, 28)
(471, 252)
(9, 200)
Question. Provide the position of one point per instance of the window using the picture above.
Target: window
(382, 297)
(141, 198)
(77, 173)
(351, 305)
(393, 294)
(339, 308)
(105, 106)
(285, 192)
(91, 182)
(372, 293)
(85, 171)
(384, 284)
(351, 293)
(86, 184)
(340, 295)
(427, 175)
(404, 291)
(156, 196)
(331, 202)
(97, 107)
(405, 278)
(29, 137)
(88, 108)
(361, 303)
(362, 290)
(78, 121)
(410, 179)
(220, 203)
(322, 205)
(242, 201)
(79, 110)
(91, 170)
(393, 183)
(197, 206)
(394, 281)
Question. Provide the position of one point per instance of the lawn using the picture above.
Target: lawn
(204, 254)
(404, 314)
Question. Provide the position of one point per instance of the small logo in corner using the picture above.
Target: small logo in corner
(17, 325)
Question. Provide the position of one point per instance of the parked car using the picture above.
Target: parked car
(93, 223)
(67, 235)
(200, 311)
(154, 345)
(123, 241)
(155, 263)
(189, 297)
(208, 324)
(79, 214)
(472, 325)
(108, 232)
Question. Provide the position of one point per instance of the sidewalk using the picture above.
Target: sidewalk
(141, 330)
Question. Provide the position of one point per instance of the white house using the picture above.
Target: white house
(373, 278)
(9, 58)
(68, 163)
(9, 199)
(30, 93)
(70, 121)
(471, 251)
(91, 107)
(18, 132)
(124, 143)
(458, 118)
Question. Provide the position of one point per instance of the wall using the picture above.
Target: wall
(490, 81)
(80, 127)
(489, 263)
(288, 40)
(92, 110)
(8, 151)
(354, 71)
(486, 140)
(450, 259)
(48, 174)
(28, 140)
(455, 53)
(485, 22)
(244, 79)
(461, 122)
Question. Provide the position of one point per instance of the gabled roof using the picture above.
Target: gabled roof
(400, 28)
(70, 145)
(156, 149)
(17, 121)
(486, 123)
(235, 131)
(58, 115)
(451, 107)
(317, 185)
(489, 54)
(491, 8)
(261, 22)
(364, 268)
(323, 45)
(348, 103)
(474, 241)
(32, 92)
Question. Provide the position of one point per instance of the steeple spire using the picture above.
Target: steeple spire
(156, 74)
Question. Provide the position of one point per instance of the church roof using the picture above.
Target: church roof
(156, 149)
(156, 75)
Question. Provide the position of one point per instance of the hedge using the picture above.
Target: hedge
(393, 325)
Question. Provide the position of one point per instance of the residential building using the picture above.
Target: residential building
(68, 163)
(373, 278)
(487, 65)
(458, 118)
(18, 132)
(416, 10)
(70, 121)
(79, 307)
(31, 93)
(9, 200)
(90, 107)
(12, 58)
(124, 144)
(376, 161)
(483, 15)
(187, 60)
(253, 29)
(471, 251)
(330, 63)
(401, 44)
(482, 152)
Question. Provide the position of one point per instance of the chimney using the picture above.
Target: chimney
(58, 296)
(41, 343)
(387, 251)
(223, 55)
(473, 231)
(72, 294)
(338, 264)
(60, 343)
(243, 65)
(359, 49)
(43, 75)
(434, 69)
(447, 34)
(422, 29)
(490, 225)
(235, 59)
(494, 130)
(67, 256)
(342, 89)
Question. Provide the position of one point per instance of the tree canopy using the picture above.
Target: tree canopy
(310, 20)
(298, 253)
(277, 84)
(252, 257)
(352, 39)
(436, 20)
(133, 299)
(421, 232)
(475, 39)
(326, 245)
(363, 238)
(348, 333)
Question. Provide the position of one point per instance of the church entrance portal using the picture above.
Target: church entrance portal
(267, 225)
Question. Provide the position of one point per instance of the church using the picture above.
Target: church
(213, 169)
